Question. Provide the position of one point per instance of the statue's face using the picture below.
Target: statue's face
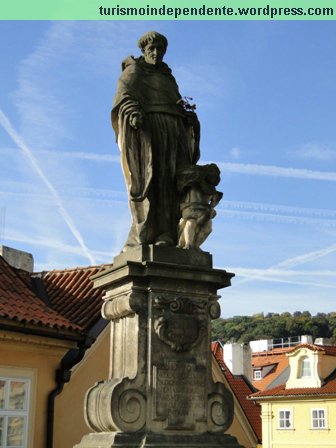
(153, 53)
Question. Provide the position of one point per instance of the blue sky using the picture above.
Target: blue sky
(265, 95)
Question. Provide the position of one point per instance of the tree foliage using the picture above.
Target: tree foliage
(275, 325)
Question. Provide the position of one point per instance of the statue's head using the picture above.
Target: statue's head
(153, 46)
(212, 174)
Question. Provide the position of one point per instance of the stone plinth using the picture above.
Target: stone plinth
(150, 440)
(160, 392)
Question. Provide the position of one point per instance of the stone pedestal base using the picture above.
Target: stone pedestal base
(141, 440)
(160, 391)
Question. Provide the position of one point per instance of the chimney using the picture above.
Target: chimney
(306, 339)
(261, 345)
(323, 341)
(17, 258)
(238, 358)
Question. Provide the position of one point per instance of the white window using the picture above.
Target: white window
(285, 419)
(318, 419)
(14, 405)
(305, 368)
(257, 375)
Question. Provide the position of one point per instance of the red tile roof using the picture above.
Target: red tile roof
(241, 389)
(279, 359)
(19, 303)
(71, 294)
(275, 357)
(328, 388)
(326, 349)
(59, 299)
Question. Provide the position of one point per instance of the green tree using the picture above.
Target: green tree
(275, 325)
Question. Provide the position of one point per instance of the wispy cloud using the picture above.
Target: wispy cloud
(206, 84)
(40, 108)
(7, 126)
(235, 152)
(315, 151)
(45, 111)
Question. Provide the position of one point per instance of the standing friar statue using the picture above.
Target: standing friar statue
(158, 134)
(161, 293)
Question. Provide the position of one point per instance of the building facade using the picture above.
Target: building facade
(302, 412)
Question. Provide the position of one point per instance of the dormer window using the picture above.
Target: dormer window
(257, 374)
(305, 368)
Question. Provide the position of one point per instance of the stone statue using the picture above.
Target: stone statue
(160, 301)
(196, 184)
(157, 133)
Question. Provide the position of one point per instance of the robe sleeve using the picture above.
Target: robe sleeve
(134, 144)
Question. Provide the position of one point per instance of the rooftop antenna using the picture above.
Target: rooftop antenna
(2, 223)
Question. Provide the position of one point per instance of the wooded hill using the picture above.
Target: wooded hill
(274, 325)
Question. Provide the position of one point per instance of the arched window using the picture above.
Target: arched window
(305, 368)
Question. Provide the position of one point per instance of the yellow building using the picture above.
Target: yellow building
(48, 322)
(302, 412)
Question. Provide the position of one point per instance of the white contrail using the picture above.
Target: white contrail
(268, 207)
(5, 123)
(238, 168)
(231, 209)
(85, 156)
(282, 219)
(248, 272)
(295, 277)
(56, 244)
(305, 258)
(278, 213)
(25, 188)
(276, 171)
(290, 263)
(82, 155)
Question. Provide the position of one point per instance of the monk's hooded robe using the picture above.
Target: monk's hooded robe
(167, 139)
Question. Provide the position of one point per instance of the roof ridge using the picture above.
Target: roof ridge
(73, 269)
(314, 347)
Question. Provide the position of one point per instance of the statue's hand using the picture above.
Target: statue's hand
(136, 120)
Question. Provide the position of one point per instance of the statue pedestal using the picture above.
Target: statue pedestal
(160, 392)
(149, 440)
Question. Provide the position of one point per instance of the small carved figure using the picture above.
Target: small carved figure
(157, 133)
(199, 199)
